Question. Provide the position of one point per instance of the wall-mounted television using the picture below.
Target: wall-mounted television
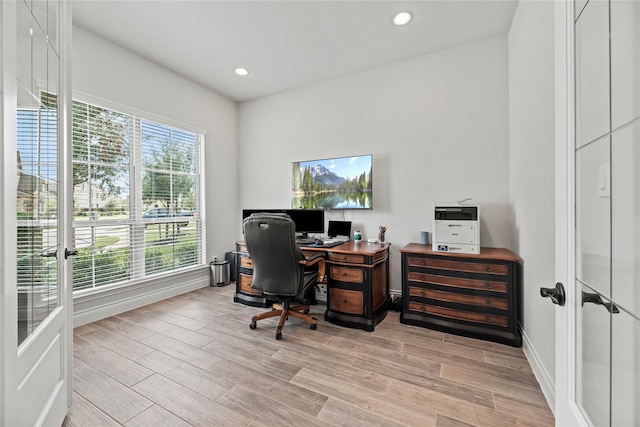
(334, 183)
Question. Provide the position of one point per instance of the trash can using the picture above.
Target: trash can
(219, 273)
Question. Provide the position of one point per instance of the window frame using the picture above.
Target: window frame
(135, 221)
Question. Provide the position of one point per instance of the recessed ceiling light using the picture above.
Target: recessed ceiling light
(242, 71)
(402, 18)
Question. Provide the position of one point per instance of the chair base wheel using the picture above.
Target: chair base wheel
(279, 336)
(313, 326)
(252, 325)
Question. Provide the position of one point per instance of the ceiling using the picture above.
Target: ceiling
(285, 44)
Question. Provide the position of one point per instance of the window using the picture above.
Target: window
(137, 193)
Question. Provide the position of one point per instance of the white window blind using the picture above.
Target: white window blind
(137, 193)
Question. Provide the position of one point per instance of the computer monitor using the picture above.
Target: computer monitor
(248, 212)
(339, 228)
(307, 220)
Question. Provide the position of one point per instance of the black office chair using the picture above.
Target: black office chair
(279, 267)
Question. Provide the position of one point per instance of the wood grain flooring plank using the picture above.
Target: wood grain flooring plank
(475, 365)
(540, 413)
(199, 380)
(512, 362)
(452, 407)
(156, 416)
(302, 399)
(418, 347)
(188, 405)
(84, 414)
(444, 421)
(121, 369)
(261, 408)
(182, 351)
(525, 392)
(131, 349)
(111, 397)
(344, 371)
(485, 345)
(338, 413)
(382, 404)
(125, 327)
(391, 328)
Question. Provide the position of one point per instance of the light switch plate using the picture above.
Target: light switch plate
(604, 180)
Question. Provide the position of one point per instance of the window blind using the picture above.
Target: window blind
(137, 197)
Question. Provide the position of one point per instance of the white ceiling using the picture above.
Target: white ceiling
(285, 44)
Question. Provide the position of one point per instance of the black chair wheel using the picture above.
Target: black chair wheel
(253, 325)
(279, 335)
(306, 311)
(313, 326)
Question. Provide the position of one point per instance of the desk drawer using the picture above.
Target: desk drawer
(246, 262)
(480, 301)
(467, 316)
(458, 282)
(346, 301)
(351, 259)
(345, 274)
(469, 267)
(245, 284)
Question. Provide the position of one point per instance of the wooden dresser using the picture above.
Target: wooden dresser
(473, 295)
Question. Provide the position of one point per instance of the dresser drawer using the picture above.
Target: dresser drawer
(346, 301)
(246, 262)
(467, 316)
(480, 301)
(350, 259)
(458, 282)
(345, 274)
(469, 267)
(245, 284)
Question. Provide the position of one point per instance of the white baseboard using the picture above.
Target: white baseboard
(92, 306)
(547, 384)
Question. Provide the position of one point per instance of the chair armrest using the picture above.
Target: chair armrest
(313, 260)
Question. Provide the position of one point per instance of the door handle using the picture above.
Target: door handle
(68, 253)
(596, 299)
(52, 254)
(556, 294)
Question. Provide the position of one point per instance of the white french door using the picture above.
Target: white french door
(598, 213)
(35, 292)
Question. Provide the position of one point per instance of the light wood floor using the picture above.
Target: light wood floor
(192, 360)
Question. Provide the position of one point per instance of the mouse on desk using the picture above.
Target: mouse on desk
(319, 242)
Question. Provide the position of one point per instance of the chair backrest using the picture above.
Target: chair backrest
(271, 243)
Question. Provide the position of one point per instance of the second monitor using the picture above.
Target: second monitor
(307, 220)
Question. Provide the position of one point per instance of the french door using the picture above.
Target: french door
(35, 292)
(598, 213)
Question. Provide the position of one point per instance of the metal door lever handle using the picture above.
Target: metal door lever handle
(556, 294)
(597, 299)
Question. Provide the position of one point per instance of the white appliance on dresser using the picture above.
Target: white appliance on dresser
(456, 228)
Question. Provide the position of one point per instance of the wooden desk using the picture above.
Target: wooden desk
(357, 282)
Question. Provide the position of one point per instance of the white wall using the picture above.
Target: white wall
(532, 177)
(437, 127)
(102, 69)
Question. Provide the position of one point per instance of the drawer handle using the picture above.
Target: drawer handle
(344, 274)
(488, 302)
(488, 320)
(488, 268)
(344, 258)
(488, 285)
